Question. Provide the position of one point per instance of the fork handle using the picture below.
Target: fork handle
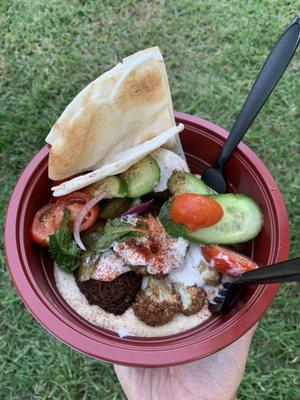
(286, 271)
(272, 70)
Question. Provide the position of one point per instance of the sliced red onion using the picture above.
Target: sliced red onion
(139, 208)
(81, 215)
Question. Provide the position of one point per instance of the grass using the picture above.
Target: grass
(213, 51)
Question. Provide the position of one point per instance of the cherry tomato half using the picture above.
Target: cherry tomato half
(46, 221)
(195, 211)
(74, 202)
(226, 261)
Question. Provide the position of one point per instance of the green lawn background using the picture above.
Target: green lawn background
(49, 50)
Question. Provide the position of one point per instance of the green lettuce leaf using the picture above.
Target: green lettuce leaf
(115, 230)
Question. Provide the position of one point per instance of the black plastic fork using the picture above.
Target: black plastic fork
(286, 271)
(274, 67)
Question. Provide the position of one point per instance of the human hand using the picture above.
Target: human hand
(216, 377)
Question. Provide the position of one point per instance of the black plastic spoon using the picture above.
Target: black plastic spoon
(286, 271)
(271, 72)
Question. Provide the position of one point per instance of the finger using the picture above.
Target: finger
(126, 376)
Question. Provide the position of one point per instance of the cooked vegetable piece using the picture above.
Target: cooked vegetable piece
(116, 230)
(226, 261)
(113, 186)
(242, 221)
(192, 298)
(141, 177)
(157, 303)
(46, 221)
(114, 208)
(195, 211)
(62, 246)
(87, 266)
(186, 182)
(75, 202)
(209, 274)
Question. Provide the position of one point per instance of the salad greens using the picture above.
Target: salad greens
(116, 230)
(63, 247)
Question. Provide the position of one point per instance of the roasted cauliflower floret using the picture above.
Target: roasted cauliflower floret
(156, 303)
(209, 274)
(156, 254)
(192, 298)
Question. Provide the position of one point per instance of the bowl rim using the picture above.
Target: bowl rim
(121, 351)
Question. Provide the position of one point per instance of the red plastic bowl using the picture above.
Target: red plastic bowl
(32, 270)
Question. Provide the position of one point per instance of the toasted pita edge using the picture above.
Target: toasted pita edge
(61, 164)
(125, 160)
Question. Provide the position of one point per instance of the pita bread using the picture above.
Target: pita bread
(124, 108)
(119, 163)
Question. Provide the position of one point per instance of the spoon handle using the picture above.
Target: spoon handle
(272, 70)
(286, 271)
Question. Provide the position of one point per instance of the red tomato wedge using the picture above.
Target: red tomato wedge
(226, 261)
(46, 221)
(195, 211)
(74, 202)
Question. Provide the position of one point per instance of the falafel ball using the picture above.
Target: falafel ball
(114, 296)
(157, 303)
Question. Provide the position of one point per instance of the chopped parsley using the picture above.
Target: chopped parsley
(63, 247)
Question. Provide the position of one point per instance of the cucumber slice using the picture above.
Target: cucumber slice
(242, 221)
(186, 182)
(136, 202)
(141, 177)
(114, 208)
(113, 186)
